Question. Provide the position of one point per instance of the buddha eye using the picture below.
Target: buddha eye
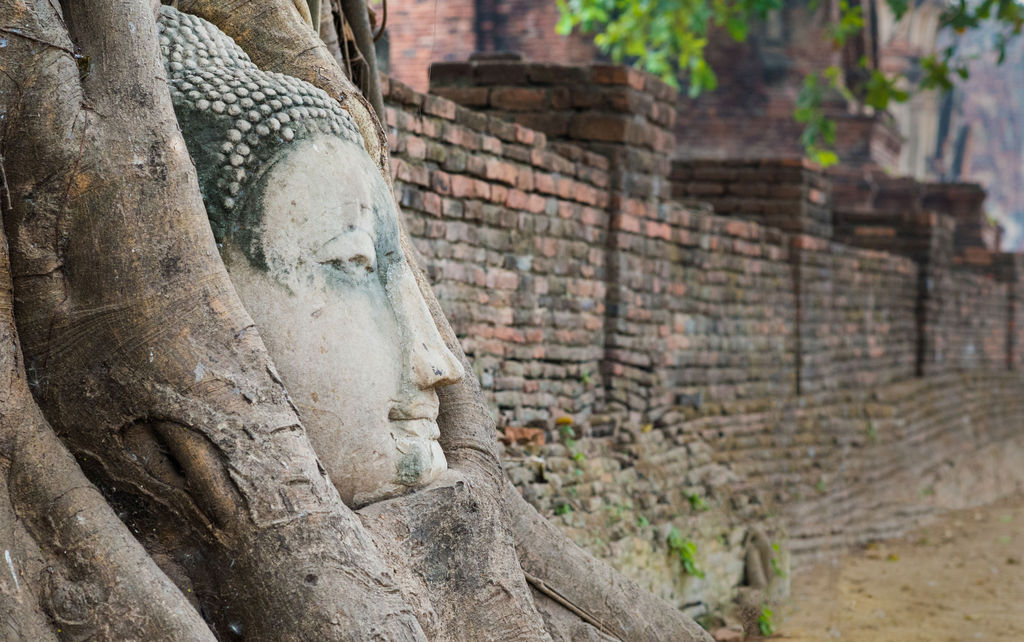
(351, 253)
(360, 260)
(358, 264)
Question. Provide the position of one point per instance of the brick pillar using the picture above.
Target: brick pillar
(877, 212)
(793, 194)
(965, 203)
(867, 140)
(619, 112)
(627, 117)
(1010, 270)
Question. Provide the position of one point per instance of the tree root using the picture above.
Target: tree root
(144, 361)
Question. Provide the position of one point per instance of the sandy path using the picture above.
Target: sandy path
(960, 578)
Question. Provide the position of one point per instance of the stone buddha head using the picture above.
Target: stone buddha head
(309, 234)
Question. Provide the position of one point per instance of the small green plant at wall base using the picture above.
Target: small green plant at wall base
(564, 509)
(585, 378)
(705, 621)
(567, 433)
(697, 502)
(766, 621)
(642, 522)
(776, 567)
(615, 512)
(872, 432)
(686, 550)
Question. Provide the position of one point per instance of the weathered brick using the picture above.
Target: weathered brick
(449, 73)
(456, 160)
(467, 96)
(414, 147)
(499, 73)
(524, 178)
(438, 106)
(555, 125)
(404, 95)
(503, 129)
(519, 98)
(595, 126)
(618, 75)
(475, 120)
(441, 182)
(544, 183)
(528, 136)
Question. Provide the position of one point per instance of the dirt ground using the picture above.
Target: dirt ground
(959, 578)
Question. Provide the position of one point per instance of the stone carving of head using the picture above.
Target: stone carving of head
(309, 235)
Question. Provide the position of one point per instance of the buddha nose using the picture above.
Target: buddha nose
(431, 363)
(436, 365)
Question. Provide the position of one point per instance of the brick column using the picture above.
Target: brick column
(790, 194)
(877, 212)
(1010, 270)
(965, 203)
(619, 112)
(627, 117)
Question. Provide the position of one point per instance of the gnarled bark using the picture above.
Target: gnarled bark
(147, 366)
(468, 435)
(133, 335)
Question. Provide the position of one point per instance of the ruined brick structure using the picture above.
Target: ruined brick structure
(825, 355)
(421, 32)
(969, 134)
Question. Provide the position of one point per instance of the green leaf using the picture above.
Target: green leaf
(766, 621)
(823, 157)
(686, 550)
(737, 28)
(898, 7)
(566, 21)
(880, 89)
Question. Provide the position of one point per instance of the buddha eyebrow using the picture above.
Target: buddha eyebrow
(350, 228)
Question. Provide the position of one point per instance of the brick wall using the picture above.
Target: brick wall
(789, 194)
(618, 112)
(528, 26)
(513, 235)
(679, 306)
(702, 312)
(857, 316)
(967, 322)
(422, 31)
(739, 344)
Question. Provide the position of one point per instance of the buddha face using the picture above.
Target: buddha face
(341, 315)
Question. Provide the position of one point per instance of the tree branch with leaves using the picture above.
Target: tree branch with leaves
(669, 38)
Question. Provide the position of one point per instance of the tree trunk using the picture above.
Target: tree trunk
(208, 514)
